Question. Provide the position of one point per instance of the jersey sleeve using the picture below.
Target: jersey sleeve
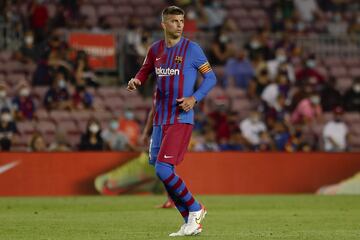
(201, 63)
(147, 67)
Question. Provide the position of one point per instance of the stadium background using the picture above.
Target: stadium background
(285, 70)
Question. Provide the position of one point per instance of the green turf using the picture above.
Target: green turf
(135, 217)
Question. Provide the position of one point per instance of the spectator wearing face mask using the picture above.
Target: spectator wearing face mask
(308, 110)
(28, 52)
(280, 65)
(252, 127)
(258, 46)
(91, 140)
(130, 127)
(352, 97)
(222, 48)
(23, 103)
(57, 97)
(115, 139)
(5, 101)
(336, 133)
(7, 130)
(308, 71)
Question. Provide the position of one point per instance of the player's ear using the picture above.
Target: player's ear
(163, 25)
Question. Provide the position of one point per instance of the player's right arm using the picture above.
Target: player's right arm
(145, 136)
(143, 73)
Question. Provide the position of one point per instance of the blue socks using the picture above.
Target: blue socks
(177, 189)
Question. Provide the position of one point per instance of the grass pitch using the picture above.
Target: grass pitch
(135, 217)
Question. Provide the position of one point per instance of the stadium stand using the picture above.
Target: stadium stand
(322, 45)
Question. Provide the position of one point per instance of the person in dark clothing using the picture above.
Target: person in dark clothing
(91, 140)
(352, 97)
(330, 96)
(7, 130)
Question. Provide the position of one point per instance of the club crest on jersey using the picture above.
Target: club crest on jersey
(164, 72)
(178, 59)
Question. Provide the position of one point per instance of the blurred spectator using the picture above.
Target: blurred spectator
(24, 103)
(57, 97)
(60, 143)
(115, 139)
(281, 135)
(273, 90)
(266, 143)
(212, 14)
(42, 74)
(258, 84)
(200, 120)
(352, 97)
(71, 8)
(234, 143)
(288, 43)
(39, 18)
(208, 143)
(300, 92)
(102, 25)
(335, 133)
(277, 112)
(28, 52)
(308, 71)
(238, 71)
(130, 127)
(221, 49)
(83, 73)
(337, 26)
(133, 38)
(142, 46)
(296, 141)
(258, 45)
(308, 110)
(5, 101)
(81, 98)
(282, 10)
(355, 24)
(252, 127)
(330, 96)
(37, 143)
(280, 64)
(59, 18)
(307, 9)
(218, 120)
(8, 130)
(91, 140)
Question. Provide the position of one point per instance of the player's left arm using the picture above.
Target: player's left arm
(201, 63)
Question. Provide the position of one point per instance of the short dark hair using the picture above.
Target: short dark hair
(172, 10)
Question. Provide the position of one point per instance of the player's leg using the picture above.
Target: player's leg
(155, 144)
(176, 139)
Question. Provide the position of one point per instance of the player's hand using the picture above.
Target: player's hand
(186, 104)
(144, 139)
(132, 84)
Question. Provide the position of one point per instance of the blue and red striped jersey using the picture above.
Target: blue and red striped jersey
(176, 71)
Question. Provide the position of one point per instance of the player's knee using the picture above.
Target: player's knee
(163, 170)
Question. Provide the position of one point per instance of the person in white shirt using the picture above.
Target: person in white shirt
(252, 127)
(307, 9)
(336, 133)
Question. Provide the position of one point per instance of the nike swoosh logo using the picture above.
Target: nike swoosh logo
(157, 59)
(166, 156)
(7, 167)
